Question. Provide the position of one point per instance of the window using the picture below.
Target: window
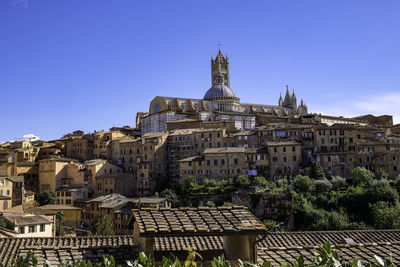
(42, 226)
(235, 161)
(294, 158)
(280, 133)
(215, 162)
(293, 148)
(275, 149)
(32, 228)
(208, 162)
(284, 159)
(22, 230)
(322, 141)
(222, 162)
(284, 149)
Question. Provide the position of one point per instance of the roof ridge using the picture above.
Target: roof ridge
(294, 247)
(336, 231)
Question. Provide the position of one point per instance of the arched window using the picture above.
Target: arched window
(156, 107)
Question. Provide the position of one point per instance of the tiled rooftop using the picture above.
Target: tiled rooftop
(281, 247)
(363, 252)
(197, 221)
(313, 238)
(207, 246)
(61, 249)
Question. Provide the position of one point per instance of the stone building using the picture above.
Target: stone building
(218, 104)
(223, 163)
(55, 173)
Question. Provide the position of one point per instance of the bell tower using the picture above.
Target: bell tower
(220, 70)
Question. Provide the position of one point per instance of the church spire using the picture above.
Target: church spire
(280, 102)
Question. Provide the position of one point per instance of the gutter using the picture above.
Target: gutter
(255, 247)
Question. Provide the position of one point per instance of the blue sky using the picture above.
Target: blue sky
(91, 65)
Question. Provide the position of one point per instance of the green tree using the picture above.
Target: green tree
(103, 225)
(260, 181)
(382, 174)
(46, 197)
(383, 193)
(356, 200)
(361, 176)
(242, 181)
(60, 231)
(303, 184)
(322, 185)
(316, 171)
(385, 216)
(338, 182)
(169, 193)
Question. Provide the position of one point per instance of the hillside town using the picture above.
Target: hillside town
(212, 174)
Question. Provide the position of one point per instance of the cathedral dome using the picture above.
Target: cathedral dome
(219, 91)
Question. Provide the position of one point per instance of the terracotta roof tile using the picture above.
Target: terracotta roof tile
(61, 249)
(197, 221)
(364, 252)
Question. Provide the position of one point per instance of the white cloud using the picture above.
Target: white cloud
(388, 104)
(22, 3)
(31, 137)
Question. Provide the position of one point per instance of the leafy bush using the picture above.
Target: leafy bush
(338, 182)
(303, 184)
(381, 174)
(227, 204)
(383, 193)
(361, 176)
(322, 185)
(385, 216)
(210, 204)
(377, 183)
(316, 171)
(271, 225)
(242, 181)
(169, 193)
(46, 197)
(260, 181)
(103, 225)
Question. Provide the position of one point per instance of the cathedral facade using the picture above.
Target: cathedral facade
(218, 104)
